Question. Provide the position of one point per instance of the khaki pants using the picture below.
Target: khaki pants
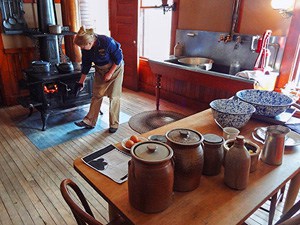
(112, 89)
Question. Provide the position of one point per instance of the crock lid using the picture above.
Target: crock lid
(184, 136)
(157, 137)
(151, 152)
(212, 139)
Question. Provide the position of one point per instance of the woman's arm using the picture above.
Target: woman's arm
(82, 78)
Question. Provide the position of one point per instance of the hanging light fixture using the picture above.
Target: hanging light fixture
(284, 7)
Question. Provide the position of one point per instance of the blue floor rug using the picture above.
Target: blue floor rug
(61, 127)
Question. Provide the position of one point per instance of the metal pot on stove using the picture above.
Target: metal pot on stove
(66, 67)
(40, 66)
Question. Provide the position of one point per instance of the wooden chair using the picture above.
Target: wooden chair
(287, 218)
(85, 216)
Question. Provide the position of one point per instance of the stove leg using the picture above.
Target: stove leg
(30, 110)
(44, 120)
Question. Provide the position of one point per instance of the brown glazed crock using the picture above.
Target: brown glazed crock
(151, 176)
(188, 158)
(213, 154)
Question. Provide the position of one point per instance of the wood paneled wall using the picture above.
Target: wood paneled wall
(13, 62)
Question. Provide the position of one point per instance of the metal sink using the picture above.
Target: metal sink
(215, 67)
(199, 62)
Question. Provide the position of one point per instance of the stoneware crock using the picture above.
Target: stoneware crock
(253, 149)
(151, 176)
(213, 154)
(188, 157)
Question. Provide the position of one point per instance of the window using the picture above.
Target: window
(154, 30)
(154, 24)
(294, 83)
(297, 70)
(94, 14)
(297, 77)
(292, 87)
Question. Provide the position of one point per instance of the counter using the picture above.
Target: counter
(193, 86)
(216, 70)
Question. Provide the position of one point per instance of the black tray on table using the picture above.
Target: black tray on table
(280, 119)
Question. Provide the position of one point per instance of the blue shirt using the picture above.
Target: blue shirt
(105, 50)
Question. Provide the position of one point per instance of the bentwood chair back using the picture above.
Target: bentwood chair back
(288, 218)
(85, 216)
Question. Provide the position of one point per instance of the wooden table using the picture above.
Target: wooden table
(212, 202)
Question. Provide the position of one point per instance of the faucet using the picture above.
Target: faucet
(226, 38)
(238, 41)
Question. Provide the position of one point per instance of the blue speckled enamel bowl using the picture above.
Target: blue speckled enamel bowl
(231, 113)
(267, 103)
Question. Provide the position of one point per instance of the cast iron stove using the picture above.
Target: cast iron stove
(51, 93)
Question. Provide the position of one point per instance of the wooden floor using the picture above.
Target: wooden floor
(30, 178)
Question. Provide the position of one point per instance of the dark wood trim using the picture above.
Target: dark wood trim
(3, 64)
(13, 62)
(18, 50)
(174, 26)
(70, 18)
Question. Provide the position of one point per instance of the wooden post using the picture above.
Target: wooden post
(70, 17)
(157, 90)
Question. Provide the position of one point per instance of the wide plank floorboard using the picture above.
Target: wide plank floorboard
(30, 178)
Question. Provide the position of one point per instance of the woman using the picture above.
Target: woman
(107, 57)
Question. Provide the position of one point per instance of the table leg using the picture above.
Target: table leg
(157, 90)
(292, 193)
(112, 213)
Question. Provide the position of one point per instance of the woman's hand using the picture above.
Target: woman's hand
(108, 76)
(78, 88)
(110, 73)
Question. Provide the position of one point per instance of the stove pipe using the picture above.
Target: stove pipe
(49, 47)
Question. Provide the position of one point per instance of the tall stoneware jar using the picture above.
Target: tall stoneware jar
(213, 154)
(237, 165)
(151, 176)
(188, 158)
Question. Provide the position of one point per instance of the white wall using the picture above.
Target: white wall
(99, 8)
(100, 12)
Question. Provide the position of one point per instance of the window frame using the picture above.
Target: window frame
(290, 61)
(174, 24)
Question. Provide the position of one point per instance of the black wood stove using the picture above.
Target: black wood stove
(51, 91)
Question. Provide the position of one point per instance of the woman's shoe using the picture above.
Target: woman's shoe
(112, 130)
(83, 124)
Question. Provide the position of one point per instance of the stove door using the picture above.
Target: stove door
(68, 91)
